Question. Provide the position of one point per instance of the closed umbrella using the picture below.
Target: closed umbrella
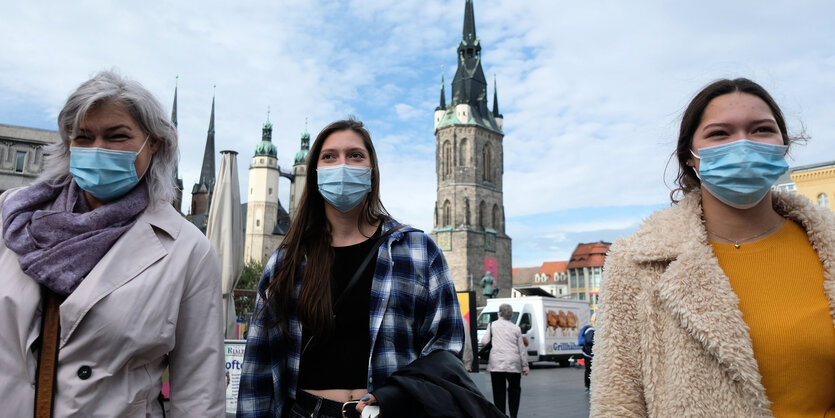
(225, 232)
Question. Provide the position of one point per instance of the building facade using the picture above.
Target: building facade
(585, 271)
(817, 182)
(22, 154)
(469, 212)
(551, 277)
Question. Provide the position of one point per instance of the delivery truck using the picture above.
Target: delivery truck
(550, 326)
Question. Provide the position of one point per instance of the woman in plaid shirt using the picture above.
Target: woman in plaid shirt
(306, 356)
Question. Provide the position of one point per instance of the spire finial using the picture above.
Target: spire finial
(305, 123)
(268, 113)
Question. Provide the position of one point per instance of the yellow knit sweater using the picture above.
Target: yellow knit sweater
(779, 281)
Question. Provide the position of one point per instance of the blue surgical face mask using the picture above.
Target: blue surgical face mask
(740, 173)
(344, 186)
(104, 173)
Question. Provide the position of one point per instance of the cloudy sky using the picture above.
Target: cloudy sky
(591, 92)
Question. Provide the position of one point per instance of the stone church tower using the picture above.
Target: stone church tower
(469, 212)
(201, 193)
(266, 220)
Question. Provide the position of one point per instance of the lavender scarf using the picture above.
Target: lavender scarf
(58, 246)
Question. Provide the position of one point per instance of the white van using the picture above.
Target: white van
(549, 325)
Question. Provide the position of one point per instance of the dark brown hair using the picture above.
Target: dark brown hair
(686, 179)
(309, 241)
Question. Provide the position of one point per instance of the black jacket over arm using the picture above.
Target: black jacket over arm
(434, 386)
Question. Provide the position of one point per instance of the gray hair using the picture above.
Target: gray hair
(112, 88)
(505, 311)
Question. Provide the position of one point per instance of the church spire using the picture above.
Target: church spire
(469, 84)
(469, 22)
(496, 113)
(174, 107)
(178, 182)
(442, 106)
(207, 172)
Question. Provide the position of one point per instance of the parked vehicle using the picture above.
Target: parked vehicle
(550, 326)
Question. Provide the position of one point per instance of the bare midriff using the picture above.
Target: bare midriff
(339, 395)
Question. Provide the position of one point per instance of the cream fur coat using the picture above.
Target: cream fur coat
(670, 339)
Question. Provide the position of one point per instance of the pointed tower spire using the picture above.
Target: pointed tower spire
(207, 172)
(442, 106)
(174, 107)
(496, 113)
(178, 182)
(469, 84)
(469, 22)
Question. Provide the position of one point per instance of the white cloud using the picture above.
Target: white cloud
(591, 93)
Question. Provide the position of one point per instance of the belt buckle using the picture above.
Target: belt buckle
(352, 412)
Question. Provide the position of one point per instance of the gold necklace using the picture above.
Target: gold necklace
(737, 243)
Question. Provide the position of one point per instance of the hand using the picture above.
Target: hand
(366, 400)
(524, 373)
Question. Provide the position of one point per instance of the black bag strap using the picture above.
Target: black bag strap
(371, 255)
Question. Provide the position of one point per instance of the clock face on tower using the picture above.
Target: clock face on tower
(445, 240)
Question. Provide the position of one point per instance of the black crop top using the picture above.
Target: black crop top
(341, 362)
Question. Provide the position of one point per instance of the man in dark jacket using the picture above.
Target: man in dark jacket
(588, 336)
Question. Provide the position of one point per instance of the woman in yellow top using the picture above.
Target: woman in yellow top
(722, 305)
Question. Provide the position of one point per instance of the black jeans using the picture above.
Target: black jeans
(514, 390)
(587, 361)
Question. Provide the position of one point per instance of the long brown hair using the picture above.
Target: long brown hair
(309, 241)
(686, 179)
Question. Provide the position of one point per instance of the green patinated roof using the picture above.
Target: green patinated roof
(474, 118)
(301, 156)
(266, 148)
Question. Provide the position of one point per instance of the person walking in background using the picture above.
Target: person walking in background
(587, 336)
(701, 308)
(508, 360)
(104, 282)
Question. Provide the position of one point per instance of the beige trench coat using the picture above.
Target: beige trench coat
(508, 353)
(670, 340)
(156, 292)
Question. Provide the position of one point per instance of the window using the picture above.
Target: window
(497, 216)
(466, 211)
(446, 163)
(21, 161)
(447, 214)
(582, 296)
(271, 191)
(581, 279)
(525, 323)
(257, 222)
(823, 200)
(482, 214)
(463, 152)
(487, 163)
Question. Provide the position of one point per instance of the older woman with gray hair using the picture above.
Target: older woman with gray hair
(104, 283)
(508, 360)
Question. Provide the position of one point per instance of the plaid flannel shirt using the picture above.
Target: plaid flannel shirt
(414, 311)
